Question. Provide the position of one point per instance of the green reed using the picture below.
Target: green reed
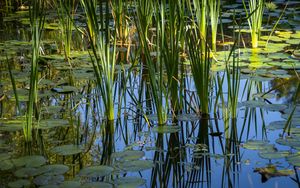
(254, 15)
(200, 66)
(155, 65)
(37, 18)
(214, 12)
(103, 57)
(119, 12)
(172, 21)
(66, 11)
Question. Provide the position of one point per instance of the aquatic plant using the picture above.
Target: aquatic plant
(214, 12)
(103, 58)
(172, 19)
(66, 11)
(254, 15)
(155, 67)
(36, 13)
(200, 66)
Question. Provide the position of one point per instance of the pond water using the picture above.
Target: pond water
(248, 138)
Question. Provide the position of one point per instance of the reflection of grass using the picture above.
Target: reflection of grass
(104, 58)
(36, 23)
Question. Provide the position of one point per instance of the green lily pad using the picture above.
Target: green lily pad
(188, 117)
(29, 161)
(52, 123)
(273, 154)
(271, 171)
(166, 129)
(96, 171)
(135, 165)
(55, 169)
(292, 142)
(129, 182)
(6, 165)
(128, 155)
(97, 184)
(48, 179)
(26, 172)
(70, 184)
(65, 89)
(20, 183)
(258, 145)
(68, 149)
(253, 104)
(4, 156)
(294, 159)
(275, 125)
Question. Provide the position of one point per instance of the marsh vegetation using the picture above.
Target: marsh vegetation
(138, 93)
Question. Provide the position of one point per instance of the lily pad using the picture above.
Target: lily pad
(20, 183)
(271, 171)
(166, 129)
(26, 172)
(188, 117)
(129, 182)
(6, 165)
(65, 89)
(135, 165)
(55, 169)
(70, 184)
(52, 123)
(68, 150)
(96, 171)
(258, 145)
(30, 161)
(294, 159)
(97, 184)
(48, 180)
(128, 155)
(273, 154)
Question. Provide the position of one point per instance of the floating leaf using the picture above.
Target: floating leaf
(273, 154)
(65, 89)
(30, 161)
(96, 171)
(48, 179)
(129, 182)
(68, 149)
(135, 165)
(19, 183)
(26, 172)
(271, 171)
(52, 123)
(166, 129)
(55, 169)
(128, 155)
(6, 165)
(258, 145)
(292, 142)
(278, 125)
(97, 184)
(70, 184)
(294, 159)
(188, 117)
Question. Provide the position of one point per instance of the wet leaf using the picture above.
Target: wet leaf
(68, 149)
(271, 171)
(128, 155)
(96, 171)
(20, 183)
